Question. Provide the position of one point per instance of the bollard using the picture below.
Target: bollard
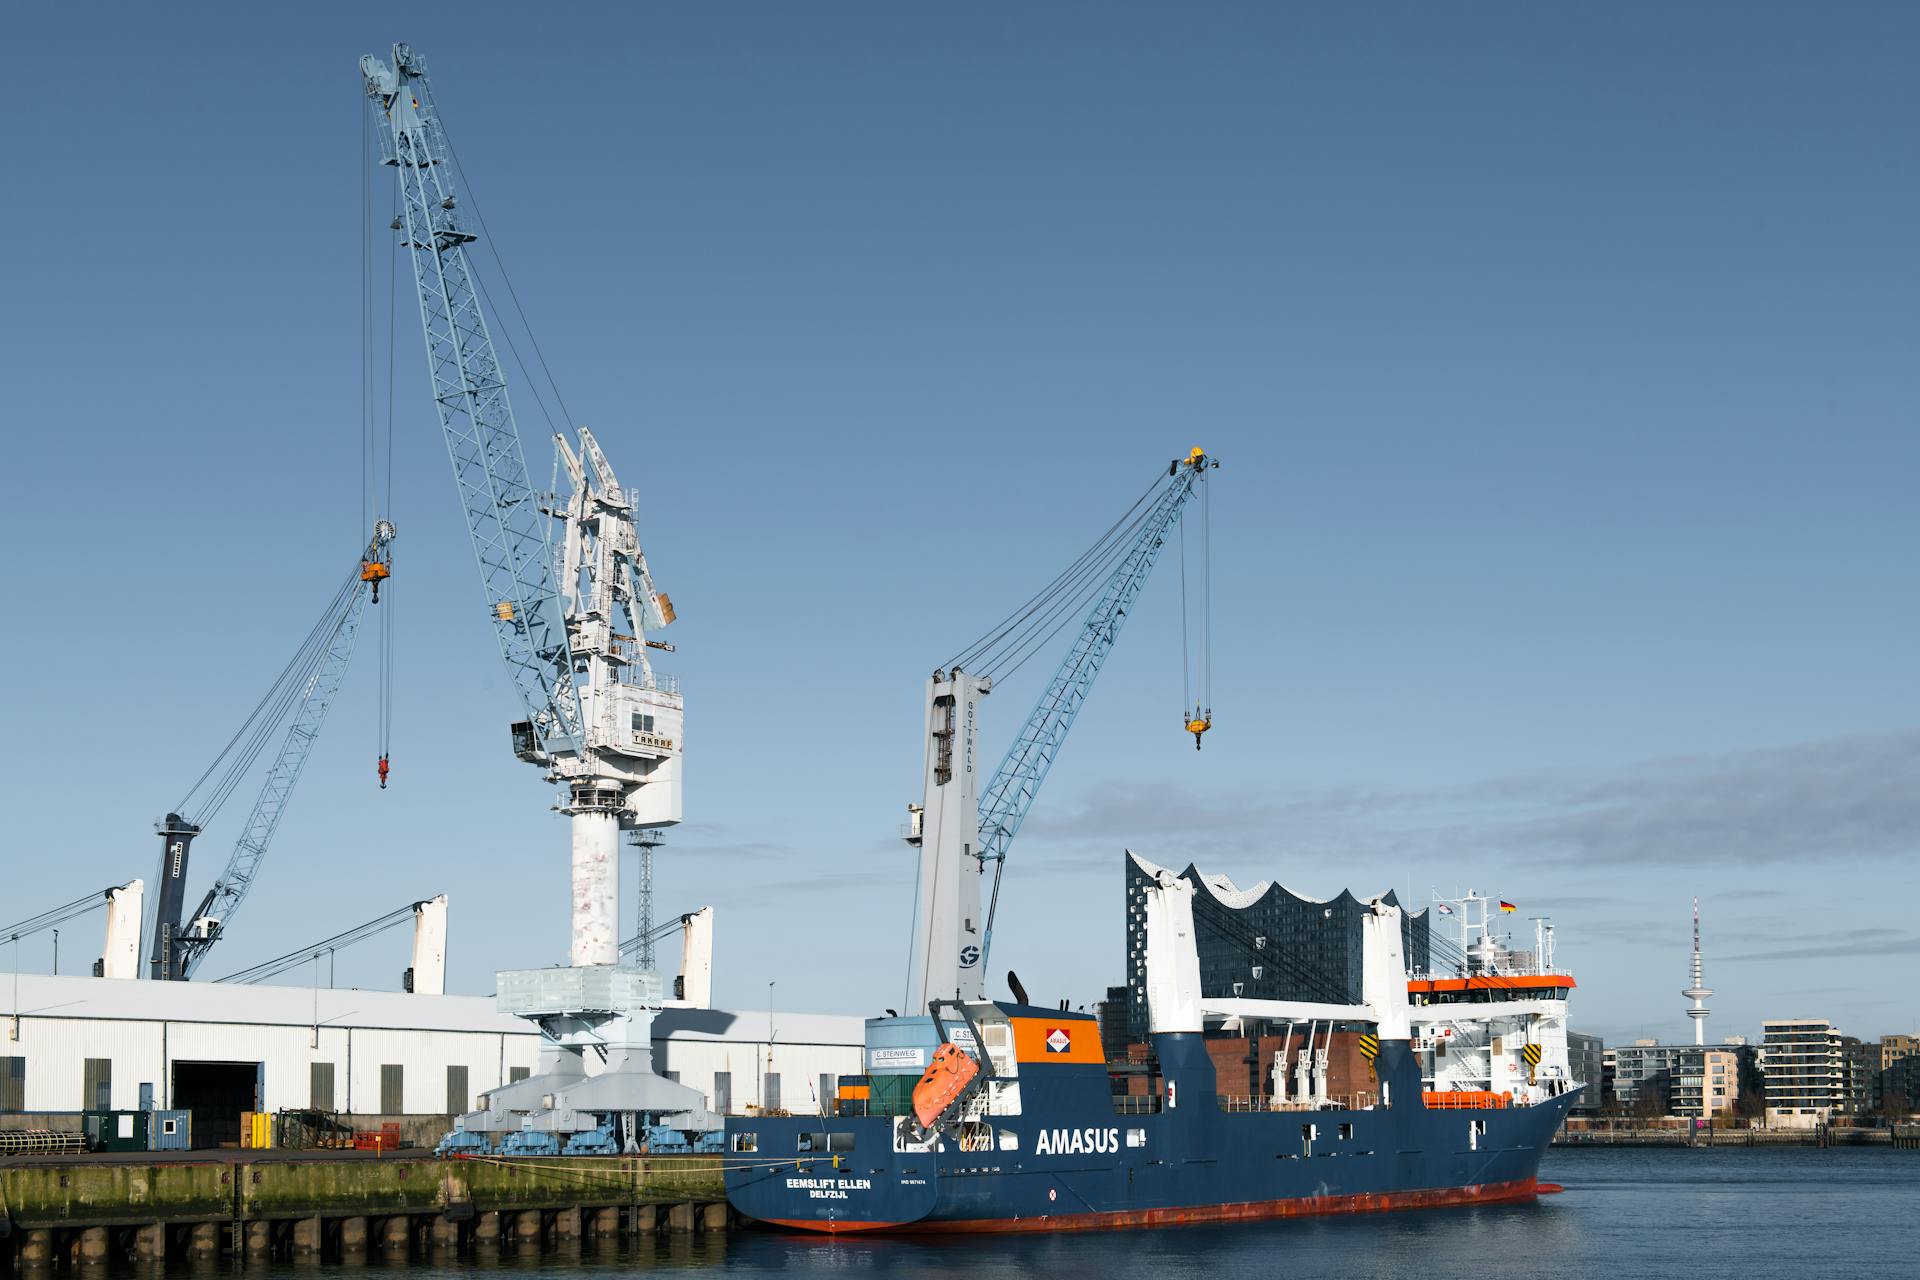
(714, 1216)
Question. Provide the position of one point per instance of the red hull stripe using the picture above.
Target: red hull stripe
(1247, 1211)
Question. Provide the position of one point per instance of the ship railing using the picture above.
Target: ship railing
(1262, 1102)
(1136, 1104)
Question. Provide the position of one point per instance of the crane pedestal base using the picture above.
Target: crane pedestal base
(563, 1108)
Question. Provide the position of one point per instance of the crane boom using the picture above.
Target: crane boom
(1017, 781)
(178, 952)
(958, 837)
(504, 520)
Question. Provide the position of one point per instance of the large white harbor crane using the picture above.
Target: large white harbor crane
(573, 642)
(599, 721)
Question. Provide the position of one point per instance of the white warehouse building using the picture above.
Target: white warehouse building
(78, 1044)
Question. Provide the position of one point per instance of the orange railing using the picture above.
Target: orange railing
(1466, 1100)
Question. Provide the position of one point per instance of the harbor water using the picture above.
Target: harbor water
(1751, 1213)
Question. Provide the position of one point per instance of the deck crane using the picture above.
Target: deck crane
(306, 688)
(960, 828)
(598, 719)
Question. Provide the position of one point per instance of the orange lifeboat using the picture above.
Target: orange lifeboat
(946, 1078)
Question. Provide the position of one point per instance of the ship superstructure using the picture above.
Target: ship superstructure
(1490, 1022)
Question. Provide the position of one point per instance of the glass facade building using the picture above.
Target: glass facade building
(1264, 943)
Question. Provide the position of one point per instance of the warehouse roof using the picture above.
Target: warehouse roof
(119, 999)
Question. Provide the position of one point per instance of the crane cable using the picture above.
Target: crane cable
(376, 480)
(313, 951)
(230, 766)
(57, 915)
(1196, 623)
(1006, 646)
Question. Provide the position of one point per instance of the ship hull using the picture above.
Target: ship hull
(1190, 1215)
(1067, 1161)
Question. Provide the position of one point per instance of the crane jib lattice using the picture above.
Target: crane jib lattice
(504, 520)
(1010, 793)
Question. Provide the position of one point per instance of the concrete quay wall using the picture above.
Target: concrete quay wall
(59, 1213)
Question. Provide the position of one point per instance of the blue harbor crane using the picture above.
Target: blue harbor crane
(961, 827)
(300, 697)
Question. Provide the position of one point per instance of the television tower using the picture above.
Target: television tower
(1699, 991)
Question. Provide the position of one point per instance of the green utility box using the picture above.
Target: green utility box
(117, 1130)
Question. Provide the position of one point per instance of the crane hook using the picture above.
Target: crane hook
(383, 771)
(374, 571)
(1198, 724)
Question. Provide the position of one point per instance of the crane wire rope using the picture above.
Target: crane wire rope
(53, 916)
(1186, 662)
(659, 933)
(244, 747)
(376, 479)
(1070, 608)
(994, 635)
(493, 251)
(313, 951)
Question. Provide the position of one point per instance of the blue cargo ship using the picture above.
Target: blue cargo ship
(1019, 1122)
(1057, 1149)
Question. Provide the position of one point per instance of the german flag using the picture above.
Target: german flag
(1507, 906)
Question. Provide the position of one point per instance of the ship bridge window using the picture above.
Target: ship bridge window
(642, 723)
(1009, 1140)
(746, 1142)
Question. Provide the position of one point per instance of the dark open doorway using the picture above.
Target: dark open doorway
(216, 1093)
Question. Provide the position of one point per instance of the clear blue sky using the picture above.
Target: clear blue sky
(1562, 363)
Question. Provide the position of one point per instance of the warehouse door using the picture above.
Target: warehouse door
(216, 1093)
